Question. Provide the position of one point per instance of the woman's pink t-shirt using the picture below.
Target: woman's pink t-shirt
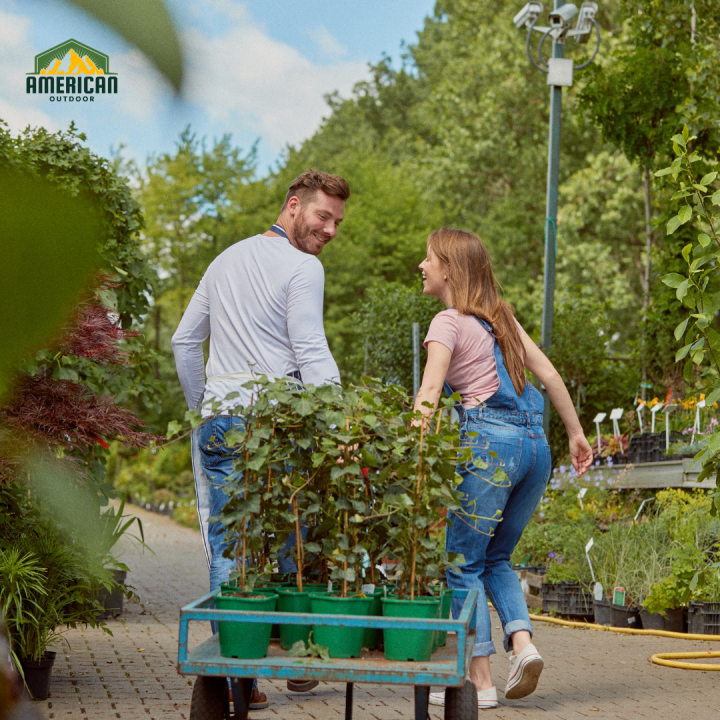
(472, 370)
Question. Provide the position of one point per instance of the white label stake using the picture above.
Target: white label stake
(615, 415)
(654, 410)
(587, 555)
(598, 419)
(580, 496)
(696, 424)
(668, 410)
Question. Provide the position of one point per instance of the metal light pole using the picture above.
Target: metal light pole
(560, 74)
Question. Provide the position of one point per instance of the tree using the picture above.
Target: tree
(646, 87)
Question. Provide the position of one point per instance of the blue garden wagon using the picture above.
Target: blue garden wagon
(448, 666)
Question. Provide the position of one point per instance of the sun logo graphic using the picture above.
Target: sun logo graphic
(72, 72)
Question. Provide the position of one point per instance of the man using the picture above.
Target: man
(261, 303)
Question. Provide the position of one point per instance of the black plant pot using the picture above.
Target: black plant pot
(675, 620)
(603, 613)
(624, 616)
(652, 621)
(112, 601)
(37, 676)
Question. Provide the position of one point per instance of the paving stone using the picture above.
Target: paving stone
(132, 675)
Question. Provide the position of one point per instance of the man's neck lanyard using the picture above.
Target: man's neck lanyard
(279, 230)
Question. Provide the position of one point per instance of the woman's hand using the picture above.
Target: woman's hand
(581, 453)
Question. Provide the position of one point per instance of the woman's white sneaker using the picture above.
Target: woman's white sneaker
(525, 670)
(487, 699)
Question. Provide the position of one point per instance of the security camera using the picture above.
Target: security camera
(529, 13)
(561, 17)
(585, 19)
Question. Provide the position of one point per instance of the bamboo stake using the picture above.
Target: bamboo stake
(345, 582)
(298, 545)
(417, 495)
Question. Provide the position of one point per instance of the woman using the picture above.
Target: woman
(479, 349)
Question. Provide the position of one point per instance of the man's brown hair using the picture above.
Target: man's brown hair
(304, 186)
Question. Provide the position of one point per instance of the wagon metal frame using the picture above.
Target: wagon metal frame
(448, 667)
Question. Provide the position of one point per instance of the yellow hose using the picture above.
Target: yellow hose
(658, 658)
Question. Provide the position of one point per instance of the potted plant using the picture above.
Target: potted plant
(114, 525)
(242, 517)
(422, 486)
(46, 582)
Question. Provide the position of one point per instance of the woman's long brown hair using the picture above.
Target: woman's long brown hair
(475, 292)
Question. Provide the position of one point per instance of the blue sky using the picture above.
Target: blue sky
(255, 69)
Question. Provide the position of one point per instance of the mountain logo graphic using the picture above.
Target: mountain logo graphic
(72, 71)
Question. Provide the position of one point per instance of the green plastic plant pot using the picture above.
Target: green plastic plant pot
(371, 635)
(291, 600)
(446, 596)
(414, 645)
(341, 642)
(227, 588)
(244, 640)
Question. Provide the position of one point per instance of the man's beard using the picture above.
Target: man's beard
(304, 237)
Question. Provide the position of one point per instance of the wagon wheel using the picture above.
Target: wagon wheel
(208, 701)
(461, 703)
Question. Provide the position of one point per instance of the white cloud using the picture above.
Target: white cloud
(17, 108)
(245, 77)
(143, 90)
(327, 42)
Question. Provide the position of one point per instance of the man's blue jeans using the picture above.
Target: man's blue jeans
(217, 462)
(506, 509)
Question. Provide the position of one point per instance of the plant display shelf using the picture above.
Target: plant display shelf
(657, 475)
(448, 666)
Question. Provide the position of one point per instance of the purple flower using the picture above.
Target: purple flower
(552, 555)
(561, 559)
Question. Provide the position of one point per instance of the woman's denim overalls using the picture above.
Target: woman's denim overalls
(511, 426)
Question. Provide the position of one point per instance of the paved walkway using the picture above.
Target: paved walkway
(132, 674)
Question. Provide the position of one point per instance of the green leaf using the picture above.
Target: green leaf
(673, 224)
(66, 374)
(48, 246)
(716, 198)
(673, 280)
(686, 252)
(712, 397)
(682, 352)
(174, 428)
(664, 171)
(707, 179)
(147, 25)
(682, 290)
(679, 139)
(688, 370)
(694, 582)
(685, 214)
(704, 239)
(680, 329)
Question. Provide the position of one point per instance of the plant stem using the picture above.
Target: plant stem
(417, 509)
(345, 583)
(298, 545)
(646, 299)
(244, 537)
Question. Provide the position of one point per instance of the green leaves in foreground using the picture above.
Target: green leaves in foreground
(147, 25)
(48, 246)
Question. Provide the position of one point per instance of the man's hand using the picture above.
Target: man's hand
(581, 453)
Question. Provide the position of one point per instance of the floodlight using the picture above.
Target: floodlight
(529, 13)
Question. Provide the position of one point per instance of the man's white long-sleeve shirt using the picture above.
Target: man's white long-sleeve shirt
(261, 303)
